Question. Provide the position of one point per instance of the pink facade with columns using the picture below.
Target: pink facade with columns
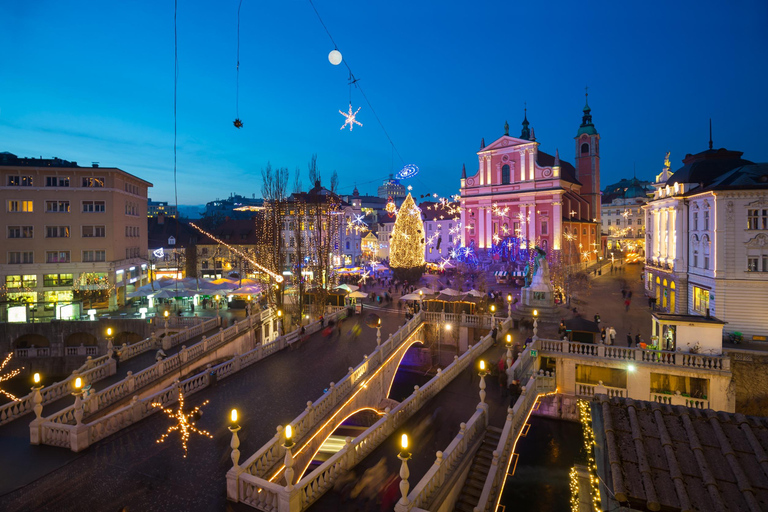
(522, 192)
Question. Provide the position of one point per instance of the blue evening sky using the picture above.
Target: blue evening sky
(90, 80)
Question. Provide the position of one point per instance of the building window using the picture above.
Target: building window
(94, 256)
(695, 262)
(56, 231)
(752, 264)
(700, 300)
(94, 232)
(57, 280)
(17, 257)
(19, 181)
(505, 175)
(17, 206)
(544, 227)
(92, 182)
(57, 181)
(93, 206)
(29, 280)
(695, 225)
(584, 148)
(706, 220)
(584, 231)
(21, 231)
(57, 206)
(57, 257)
(705, 244)
(609, 222)
(757, 219)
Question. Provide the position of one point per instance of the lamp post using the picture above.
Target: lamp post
(493, 310)
(378, 332)
(78, 393)
(288, 444)
(404, 455)
(37, 398)
(421, 300)
(166, 344)
(535, 324)
(279, 322)
(448, 328)
(509, 305)
(110, 347)
(509, 350)
(217, 305)
(235, 443)
(482, 374)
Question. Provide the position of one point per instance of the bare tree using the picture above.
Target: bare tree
(297, 182)
(274, 188)
(314, 173)
(334, 182)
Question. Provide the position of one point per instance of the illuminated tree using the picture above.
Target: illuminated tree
(407, 243)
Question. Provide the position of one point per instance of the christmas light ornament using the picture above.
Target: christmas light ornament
(408, 171)
(334, 57)
(408, 245)
(350, 118)
(8, 376)
(186, 422)
(391, 207)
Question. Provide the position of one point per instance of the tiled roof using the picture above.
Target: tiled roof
(662, 457)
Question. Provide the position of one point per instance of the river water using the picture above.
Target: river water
(546, 455)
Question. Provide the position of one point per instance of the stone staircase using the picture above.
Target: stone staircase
(478, 472)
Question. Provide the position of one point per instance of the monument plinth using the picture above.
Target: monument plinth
(538, 294)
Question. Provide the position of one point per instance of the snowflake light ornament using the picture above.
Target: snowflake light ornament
(350, 118)
(186, 422)
(8, 376)
(364, 277)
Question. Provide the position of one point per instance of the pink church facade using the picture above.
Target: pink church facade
(521, 197)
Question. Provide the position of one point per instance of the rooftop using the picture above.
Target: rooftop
(661, 457)
(669, 317)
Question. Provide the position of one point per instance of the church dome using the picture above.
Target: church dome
(707, 166)
(634, 190)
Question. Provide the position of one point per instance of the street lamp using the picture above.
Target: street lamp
(404, 455)
(37, 398)
(78, 393)
(509, 305)
(509, 350)
(217, 305)
(493, 310)
(110, 347)
(235, 443)
(482, 374)
(288, 444)
(279, 322)
(535, 324)
(378, 332)
(421, 300)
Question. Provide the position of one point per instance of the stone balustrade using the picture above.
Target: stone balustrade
(538, 385)
(479, 321)
(590, 390)
(639, 355)
(678, 399)
(65, 433)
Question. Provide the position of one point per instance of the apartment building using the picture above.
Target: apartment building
(72, 234)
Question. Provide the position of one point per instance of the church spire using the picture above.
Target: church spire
(525, 133)
(557, 157)
(463, 171)
(506, 128)
(482, 143)
(586, 120)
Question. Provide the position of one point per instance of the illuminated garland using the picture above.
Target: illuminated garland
(185, 423)
(585, 416)
(278, 278)
(350, 118)
(573, 475)
(8, 376)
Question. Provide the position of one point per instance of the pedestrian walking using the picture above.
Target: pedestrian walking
(626, 304)
(638, 340)
(623, 293)
(629, 339)
(603, 335)
(612, 335)
(494, 332)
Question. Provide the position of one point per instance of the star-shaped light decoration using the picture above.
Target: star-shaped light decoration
(186, 422)
(8, 376)
(364, 277)
(351, 121)
(410, 188)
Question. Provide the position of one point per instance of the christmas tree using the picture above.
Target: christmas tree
(407, 243)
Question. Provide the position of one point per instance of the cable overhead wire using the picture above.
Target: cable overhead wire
(237, 122)
(354, 80)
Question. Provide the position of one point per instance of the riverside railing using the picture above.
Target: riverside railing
(247, 483)
(125, 387)
(481, 321)
(538, 385)
(94, 370)
(640, 355)
(77, 437)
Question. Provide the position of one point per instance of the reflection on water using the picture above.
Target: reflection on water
(547, 454)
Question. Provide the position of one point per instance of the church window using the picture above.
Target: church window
(705, 244)
(695, 221)
(706, 220)
(505, 175)
(757, 219)
(584, 148)
(544, 228)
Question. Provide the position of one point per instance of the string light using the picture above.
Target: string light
(585, 416)
(573, 475)
(408, 244)
(186, 423)
(278, 278)
(8, 376)
(350, 118)
(408, 171)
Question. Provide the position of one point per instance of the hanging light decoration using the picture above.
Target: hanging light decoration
(334, 57)
(350, 118)
(408, 171)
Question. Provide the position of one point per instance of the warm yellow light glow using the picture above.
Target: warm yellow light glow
(509, 338)
(165, 314)
(8, 376)
(36, 378)
(535, 312)
(482, 365)
(404, 442)
(288, 432)
(233, 416)
(249, 297)
(509, 297)
(631, 368)
(493, 308)
(447, 327)
(421, 292)
(279, 313)
(218, 298)
(408, 241)
(109, 331)
(185, 422)
(78, 383)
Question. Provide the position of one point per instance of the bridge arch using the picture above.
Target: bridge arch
(80, 338)
(31, 340)
(126, 337)
(397, 367)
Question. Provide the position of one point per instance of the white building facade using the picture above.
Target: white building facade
(707, 241)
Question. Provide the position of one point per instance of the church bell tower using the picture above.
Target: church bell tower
(588, 161)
